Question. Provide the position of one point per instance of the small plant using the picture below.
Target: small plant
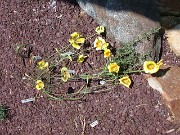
(24, 51)
(3, 112)
(51, 73)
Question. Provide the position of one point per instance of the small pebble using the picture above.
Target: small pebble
(93, 124)
(102, 82)
(28, 100)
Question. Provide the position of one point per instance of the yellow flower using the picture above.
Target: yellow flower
(152, 67)
(113, 67)
(39, 84)
(126, 81)
(81, 58)
(100, 29)
(104, 46)
(42, 64)
(65, 79)
(76, 40)
(65, 74)
(107, 53)
(100, 43)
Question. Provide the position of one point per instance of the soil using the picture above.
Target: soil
(46, 25)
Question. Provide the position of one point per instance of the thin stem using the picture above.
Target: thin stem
(52, 55)
(68, 46)
(79, 90)
(29, 77)
(135, 71)
(91, 36)
(61, 98)
(42, 73)
(58, 52)
(97, 91)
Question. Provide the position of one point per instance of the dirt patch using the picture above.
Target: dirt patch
(46, 25)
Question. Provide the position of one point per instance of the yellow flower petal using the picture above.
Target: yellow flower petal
(100, 29)
(75, 45)
(107, 53)
(76, 40)
(126, 81)
(39, 84)
(80, 40)
(98, 43)
(75, 35)
(160, 63)
(81, 58)
(64, 70)
(65, 74)
(42, 64)
(71, 41)
(64, 78)
(104, 46)
(151, 67)
(113, 67)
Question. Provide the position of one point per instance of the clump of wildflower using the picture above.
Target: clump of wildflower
(100, 44)
(39, 84)
(76, 40)
(126, 81)
(100, 29)
(65, 74)
(81, 58)
(113, 67)
(107, 53)
(152, 67)
(42, 64)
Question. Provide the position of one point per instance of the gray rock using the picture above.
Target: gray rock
(125, 20)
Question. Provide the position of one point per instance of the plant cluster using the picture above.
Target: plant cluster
(54, 70)
(3, 112)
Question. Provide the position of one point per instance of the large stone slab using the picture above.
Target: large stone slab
(172, 4)
(125, 20)
(173, 38)
(167, 82)
(170, 12)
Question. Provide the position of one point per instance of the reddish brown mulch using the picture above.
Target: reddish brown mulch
(139, 110)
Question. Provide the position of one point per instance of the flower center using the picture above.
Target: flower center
(40, 84)
(114, 67)
(126, 81)
(150, 66)
(99, 44)
(107, 53)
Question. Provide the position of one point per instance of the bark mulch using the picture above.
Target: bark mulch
(47, 25)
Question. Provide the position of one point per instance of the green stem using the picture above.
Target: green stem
(97, 91)
(66, 48)
(42, 73)
(61, 98)
(30, 77)
(51, 55)
(135, 71)
(91, 36)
